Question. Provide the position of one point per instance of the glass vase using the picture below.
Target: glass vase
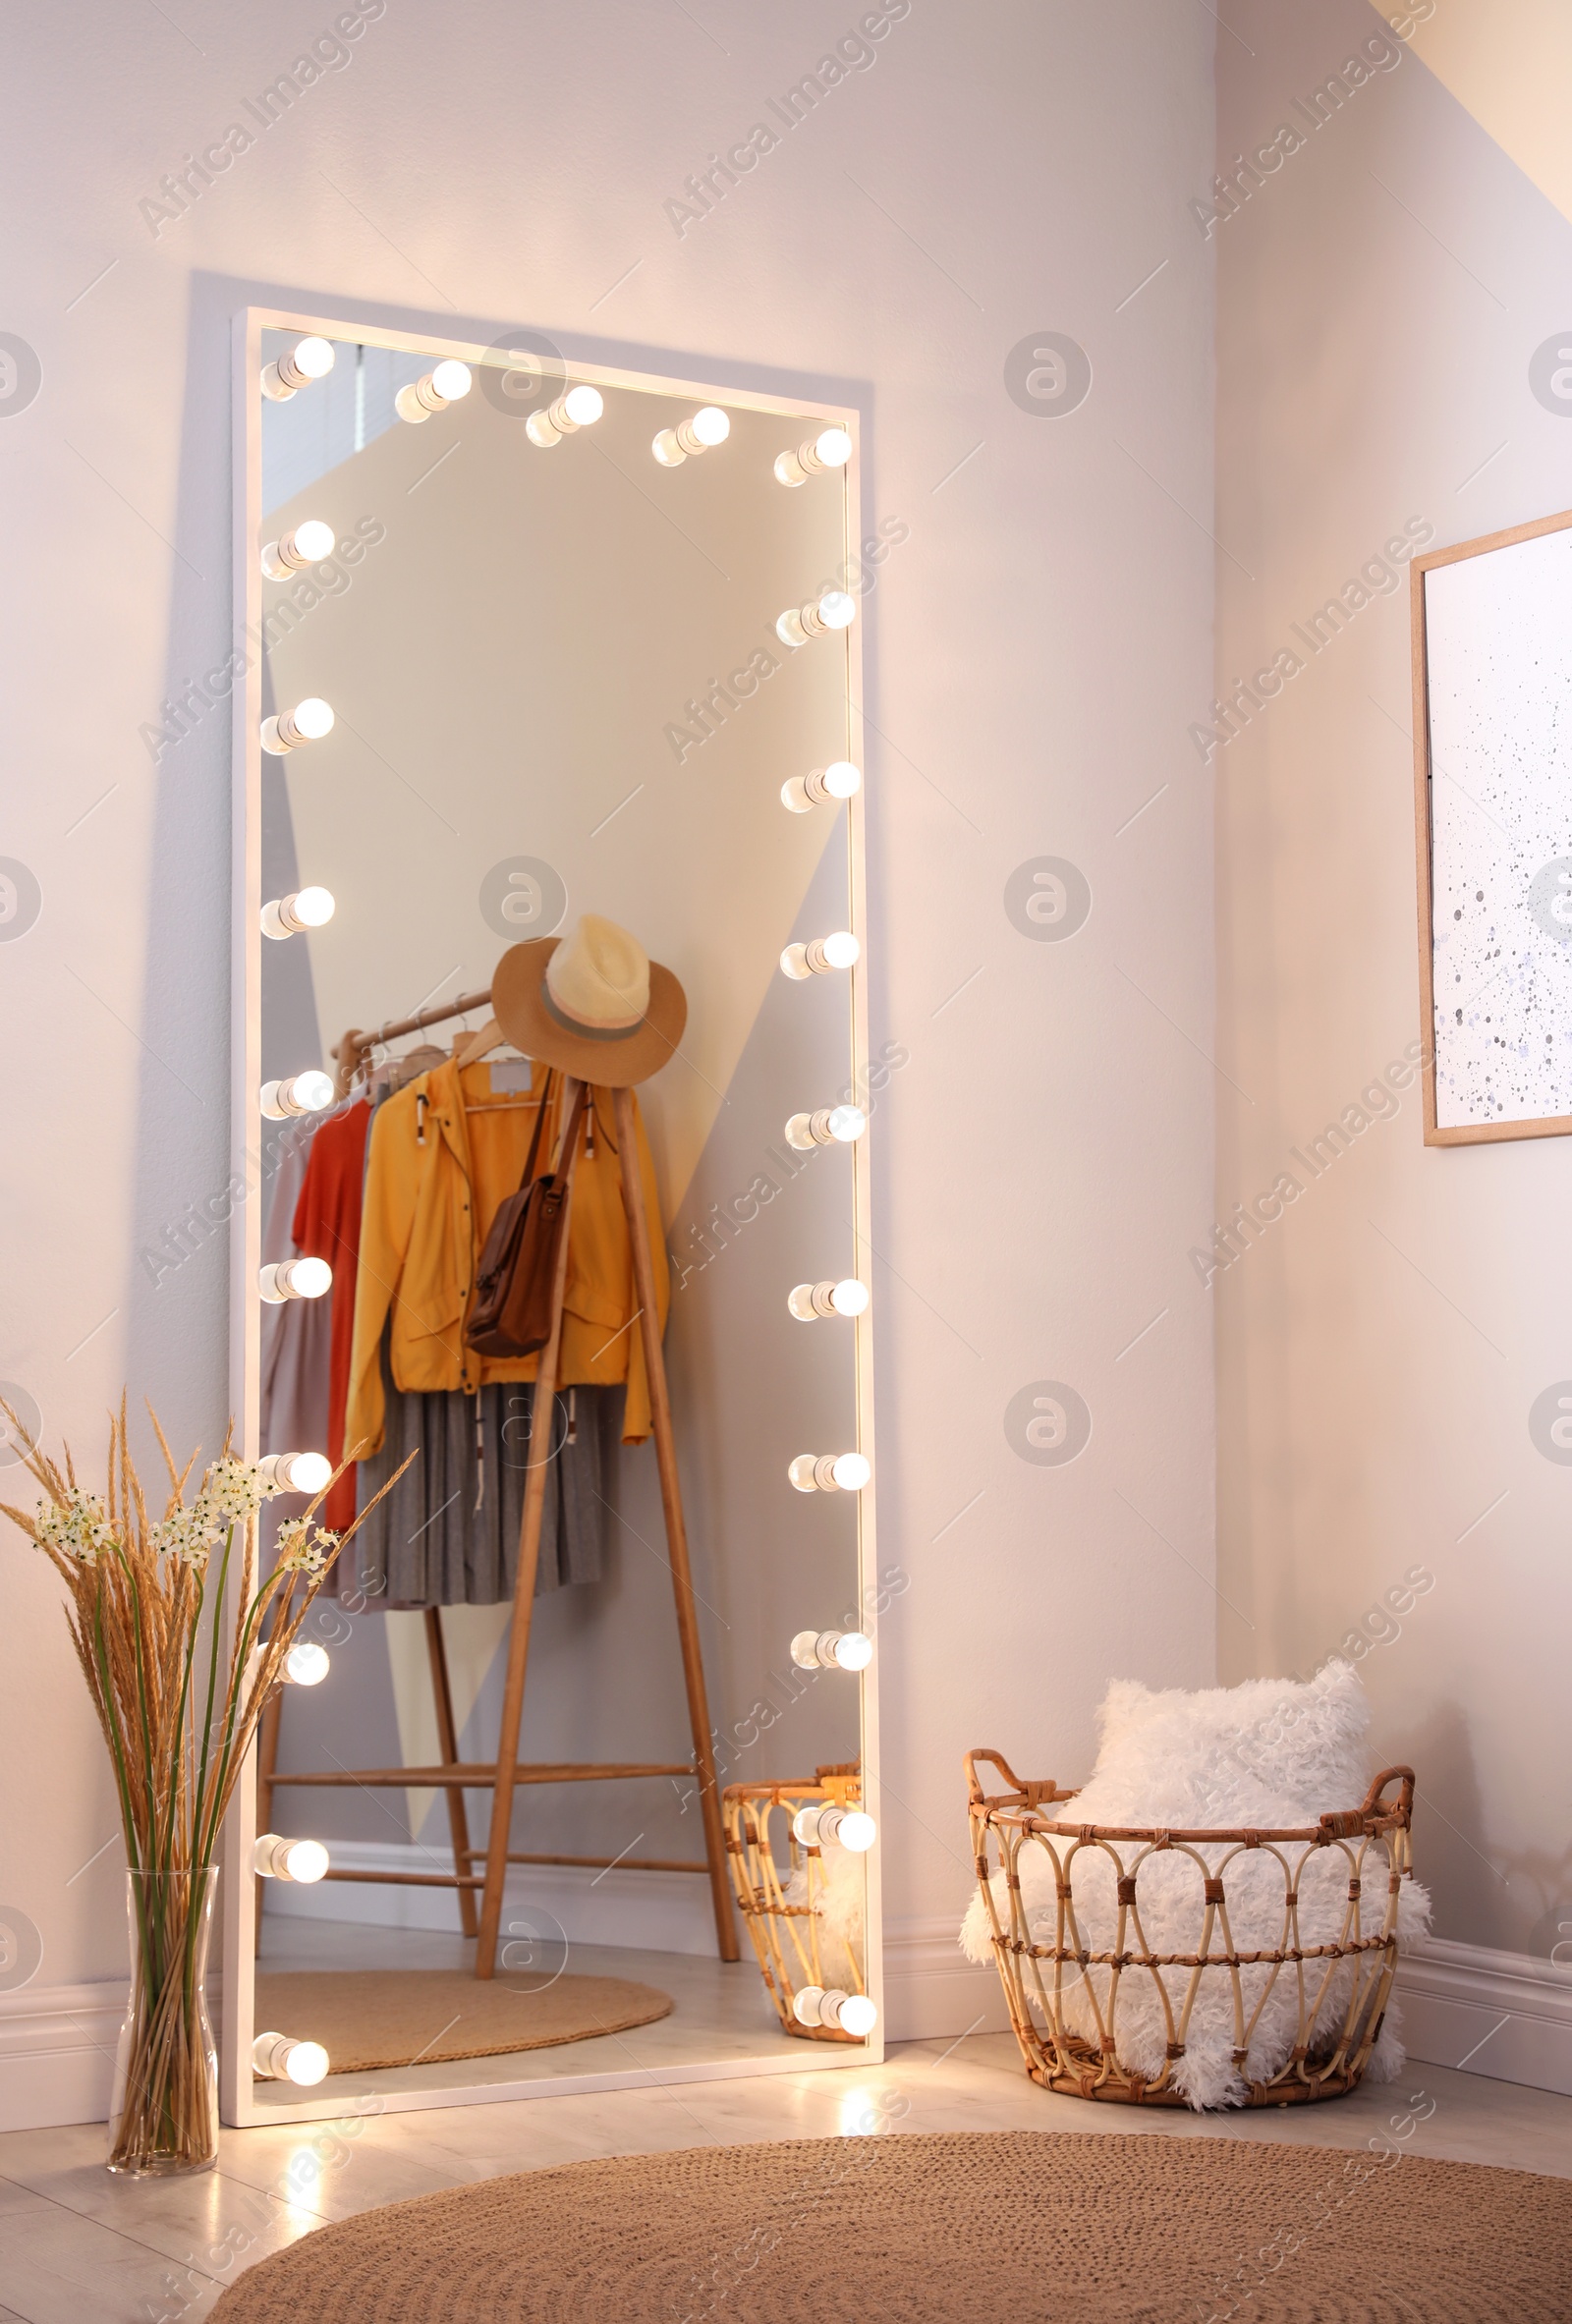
(163, 2116)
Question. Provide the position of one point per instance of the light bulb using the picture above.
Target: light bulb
(580, 406)
(840, 1125)
(307, 722)
(812, 1300)
(833, 611)
(278, 2057)
(294, 1278)
(831, 448)
(308, 360)
(294, 1473)
(831, 1650)
(848, 2013)
(441, 386)
(308, 1665)
(835, 782)
(277, 1859)
(301, 1094)
(840, 951)
(699, 432)
(290, 916)
(829, 1472)
(835, 1826)
(309, 544)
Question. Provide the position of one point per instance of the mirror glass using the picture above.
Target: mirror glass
(560, 697)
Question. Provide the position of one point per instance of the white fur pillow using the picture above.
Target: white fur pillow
(1272, 1753)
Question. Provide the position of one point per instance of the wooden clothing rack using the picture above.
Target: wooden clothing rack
(505, 1774)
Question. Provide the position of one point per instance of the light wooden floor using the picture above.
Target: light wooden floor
(79, 2247)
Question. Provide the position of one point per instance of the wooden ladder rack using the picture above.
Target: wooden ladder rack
(502, 1776)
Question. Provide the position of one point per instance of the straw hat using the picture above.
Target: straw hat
(592, 1004)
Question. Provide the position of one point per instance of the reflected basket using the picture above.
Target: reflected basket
(790, 1915)
(1100, 2012)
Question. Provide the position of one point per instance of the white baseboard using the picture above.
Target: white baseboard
(57, 2053)
(1507, 2016)
(658, 1911)
(931, 1991)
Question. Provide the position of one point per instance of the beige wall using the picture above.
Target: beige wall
(1382, 292)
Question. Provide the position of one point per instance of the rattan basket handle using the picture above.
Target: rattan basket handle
(1030, 1794)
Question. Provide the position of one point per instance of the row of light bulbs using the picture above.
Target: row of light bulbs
(450, 380)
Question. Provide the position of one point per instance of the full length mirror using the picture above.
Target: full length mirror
(550, 1012)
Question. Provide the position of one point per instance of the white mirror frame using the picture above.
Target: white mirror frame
(237, 2102)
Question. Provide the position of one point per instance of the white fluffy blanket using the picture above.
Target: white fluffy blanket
(838, 1908)
(1274, 1752)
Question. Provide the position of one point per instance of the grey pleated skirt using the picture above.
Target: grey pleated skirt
(448, 1532)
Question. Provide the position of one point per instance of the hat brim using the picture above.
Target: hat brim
(615, 1060)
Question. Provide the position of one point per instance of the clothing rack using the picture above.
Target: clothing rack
(500, 1777)
(357, 1046)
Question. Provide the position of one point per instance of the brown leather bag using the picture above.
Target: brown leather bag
(511, 1311)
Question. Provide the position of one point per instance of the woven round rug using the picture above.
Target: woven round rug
(1022, 2228)
(369, 2018)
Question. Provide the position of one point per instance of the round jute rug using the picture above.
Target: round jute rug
(369, 2018)
(1024, 2227)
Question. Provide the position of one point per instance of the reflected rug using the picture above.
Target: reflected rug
(367, 2018)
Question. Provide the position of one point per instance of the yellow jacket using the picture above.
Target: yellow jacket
(437, 1171)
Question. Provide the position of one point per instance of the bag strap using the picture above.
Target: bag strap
(575, 1117)
(528, 1178)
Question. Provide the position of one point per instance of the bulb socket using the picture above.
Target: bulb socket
(280, 2058)
(289, 1279)
(283, 1101)
(285, 556)
(281, 733)
(806, 1130)
(801, 794)
(815, 1473)
(421, 401)
(294, 1472)
(280, 918)
(831, 1650)
(272, 1853)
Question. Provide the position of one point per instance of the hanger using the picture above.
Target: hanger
(469, 1052)
(490, 1037)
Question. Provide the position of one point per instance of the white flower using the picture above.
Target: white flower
(304, 1548)
(187, 1535)
(80, 1527)
(232, 1489)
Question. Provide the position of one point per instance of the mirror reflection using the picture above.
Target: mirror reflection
(564, 1241)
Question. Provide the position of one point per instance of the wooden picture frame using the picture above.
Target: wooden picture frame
(1480, 1132)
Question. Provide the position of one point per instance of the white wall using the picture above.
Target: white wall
(1045, 1160)
(1382, 294)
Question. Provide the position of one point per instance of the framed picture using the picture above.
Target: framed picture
(1492, 755)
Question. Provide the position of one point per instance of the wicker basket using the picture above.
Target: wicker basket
(786, 1937)
(1330, 2048)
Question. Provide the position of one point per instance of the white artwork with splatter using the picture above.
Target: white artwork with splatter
(1499, 636)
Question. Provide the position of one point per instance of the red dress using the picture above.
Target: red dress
(327, 1226)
